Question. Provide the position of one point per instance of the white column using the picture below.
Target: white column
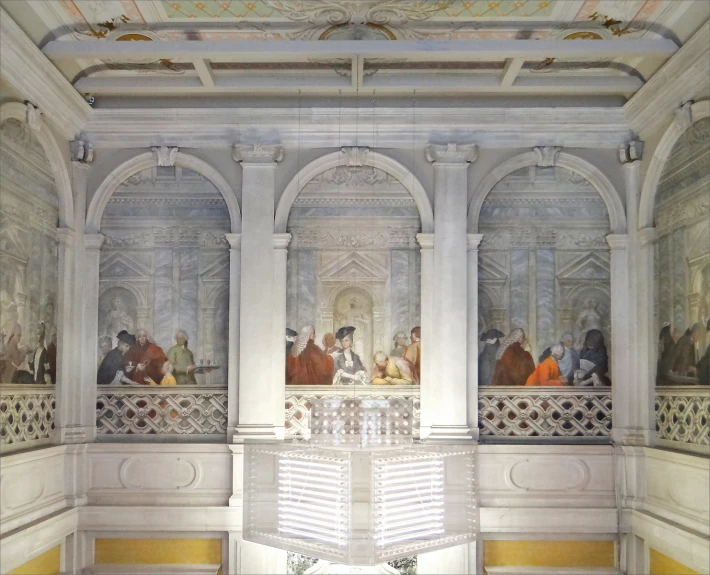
(281, 242)
(620, 346)
(646, 344)
(66, 346)
(428, 383)
(449, 422)
(235, 262)
(90, 323)
(259, 399)
(474, 241)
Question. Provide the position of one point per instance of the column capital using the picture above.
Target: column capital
(647, 236)
(546, 156)
(257, 153)
(684, 115)
(65, 236)
(281, 241)
(425, 241)
(452, 153)
(631, 152)
(473, 241)
(617, 241)
(165, 156)
(93, 242)
(82, 153)
(235, 241)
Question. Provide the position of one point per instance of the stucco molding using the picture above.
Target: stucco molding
(373, 159)
(697, 111)
(29, 114)
(677, 81)
(31, 73)
(588, 171)
(148, 160)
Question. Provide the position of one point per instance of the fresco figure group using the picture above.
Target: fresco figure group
(679, 359)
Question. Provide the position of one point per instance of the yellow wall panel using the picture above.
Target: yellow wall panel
(663, 565)
(46, 564)
(548, 553)
(158, 551)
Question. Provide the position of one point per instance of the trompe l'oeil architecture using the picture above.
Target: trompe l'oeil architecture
(355, 287)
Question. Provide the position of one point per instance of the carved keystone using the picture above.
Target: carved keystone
(546, 156)
(165, 156)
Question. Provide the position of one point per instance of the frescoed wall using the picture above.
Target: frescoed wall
(544, 278)
(683, 260)
(29, 215)
(165, 268)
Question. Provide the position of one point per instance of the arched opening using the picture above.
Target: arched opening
(164, 268)
(544, 267)
(30, 212)
(353, 260)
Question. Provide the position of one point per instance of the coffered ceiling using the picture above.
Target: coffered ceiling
(206, 47)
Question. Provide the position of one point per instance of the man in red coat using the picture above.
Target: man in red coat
(514, 365)
(147, 359)
(307, 364)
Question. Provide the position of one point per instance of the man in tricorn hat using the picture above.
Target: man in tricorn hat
(113, 367)
(487, 359)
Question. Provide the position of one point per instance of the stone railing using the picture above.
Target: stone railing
(683, 416)
(517, 412)
(26, 415)
(299, 397)
(178, 411)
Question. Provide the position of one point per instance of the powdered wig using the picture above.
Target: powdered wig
(558, 350)
(515, 336)
(299, 345)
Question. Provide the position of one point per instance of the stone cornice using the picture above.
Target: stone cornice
(593, 127)
(426, 241)
(65, 236)
(31, 73)
(617, 241)
(93, 242)
(677, 81)
(473, 241)
(281, 241)
(235, 241)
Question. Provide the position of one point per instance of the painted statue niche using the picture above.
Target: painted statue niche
(544, 282)
(29, 215)
(353, 279)
(164, 282)
(682, 261)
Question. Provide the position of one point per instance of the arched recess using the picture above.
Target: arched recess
(149, 160)
(589, 172)
(681, 123)
(373, 159)
(55, 157)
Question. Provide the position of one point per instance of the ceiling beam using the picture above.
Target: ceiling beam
(301, 50)
(510, 72)
(204, 71)
(422, 82)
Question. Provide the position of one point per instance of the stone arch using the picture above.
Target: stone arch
(28, 114)
(368, 289)
(680, 124)
(148, 160)
(588, 171)
(140, 296)
(368, 158)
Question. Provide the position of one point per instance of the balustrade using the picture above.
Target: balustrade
(519, 412)
(683, 415)
(179, 411)
(299, 399)
(26, 415)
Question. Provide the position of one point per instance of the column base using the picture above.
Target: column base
(75, 434)
(258, 432)
(635, 437)
(451, 434)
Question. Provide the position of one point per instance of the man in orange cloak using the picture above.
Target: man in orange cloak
(307, 364)
(548, 372)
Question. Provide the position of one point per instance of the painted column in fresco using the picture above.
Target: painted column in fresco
(620, 335)
(261, 405)
(450, 290)
(474, 241)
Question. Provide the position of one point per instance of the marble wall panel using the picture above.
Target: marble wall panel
(546, 298)
(163, 296)
(306, 281)
(679, 270)
(400, 292)
(665, 280)
(519, 289)
(188, 294)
